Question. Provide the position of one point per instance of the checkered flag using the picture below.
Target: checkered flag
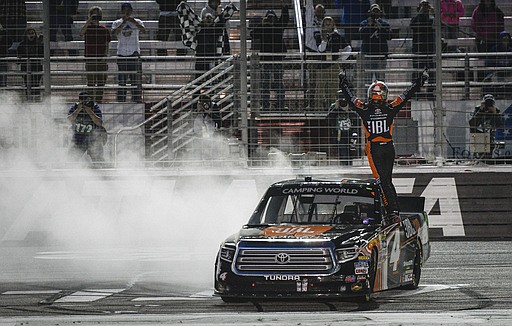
(189, 23)
(226, 14)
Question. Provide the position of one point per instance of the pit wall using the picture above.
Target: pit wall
(463, 205)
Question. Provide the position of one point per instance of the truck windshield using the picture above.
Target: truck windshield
(316, 209)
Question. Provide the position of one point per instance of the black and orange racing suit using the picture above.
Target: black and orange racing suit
(378, 118)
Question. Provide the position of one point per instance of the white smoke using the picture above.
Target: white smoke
(106, 221)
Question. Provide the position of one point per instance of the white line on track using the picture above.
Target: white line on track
(429, 288)
(31, 292)
(88, 295)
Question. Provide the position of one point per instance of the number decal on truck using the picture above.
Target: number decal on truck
(394, 257)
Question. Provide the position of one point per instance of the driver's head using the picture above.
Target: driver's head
(378, 92)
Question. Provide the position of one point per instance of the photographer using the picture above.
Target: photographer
(89, 135)
(482, 127)
(486, 117)
(97, 39)
(375, 33)
(208, 118)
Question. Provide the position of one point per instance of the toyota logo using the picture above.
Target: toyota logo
(282, 258)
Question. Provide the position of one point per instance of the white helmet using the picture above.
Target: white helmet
(378, 92)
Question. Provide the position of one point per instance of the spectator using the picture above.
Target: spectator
(89, 135)
(169, 25)
(213, 7)
(208, 117)
(127, 29)
(486, 119)
(31, 53)
(13, 17)
(423, 41)
(97, 40)
(270, 35)
(487, 22)
(354, 12)
(502, 61)
(209, 43)
(343, 130)
(204, 36)
(377, 114)
(385, 6)
(330, 42)
(314, 17)
(4, 50)
(61, 16)
(451, 12)
(375, 33)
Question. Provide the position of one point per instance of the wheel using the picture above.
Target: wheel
(416, 272)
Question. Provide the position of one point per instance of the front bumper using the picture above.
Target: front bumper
(338, 285)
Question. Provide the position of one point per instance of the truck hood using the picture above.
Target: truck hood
(339, 234)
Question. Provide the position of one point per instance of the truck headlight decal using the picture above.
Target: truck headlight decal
(227, 254)
(346, 254)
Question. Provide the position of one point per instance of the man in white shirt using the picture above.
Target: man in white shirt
(127, 29)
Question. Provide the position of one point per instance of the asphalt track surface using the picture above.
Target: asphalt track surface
(463, 283)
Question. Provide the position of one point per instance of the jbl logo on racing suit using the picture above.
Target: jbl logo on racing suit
(378, 126)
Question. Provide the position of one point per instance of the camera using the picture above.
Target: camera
(88, 103)
(95, 17)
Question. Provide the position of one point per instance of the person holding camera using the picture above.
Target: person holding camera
(270, 37)
(208, 118)
(330, 42)
(127, 29)
(375, 33)
(97, 40)
(485, 119)
(423, 44)
(89, 135)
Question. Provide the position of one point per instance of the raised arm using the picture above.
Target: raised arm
(353, 101)
(411, 90)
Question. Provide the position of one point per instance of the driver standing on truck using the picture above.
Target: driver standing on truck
(377, 115)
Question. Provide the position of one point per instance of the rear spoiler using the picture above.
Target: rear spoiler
(411, 204)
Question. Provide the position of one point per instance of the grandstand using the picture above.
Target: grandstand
(163, 123)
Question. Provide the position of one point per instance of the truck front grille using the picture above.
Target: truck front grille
(289, 260)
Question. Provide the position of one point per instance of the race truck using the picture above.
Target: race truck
(323, 239)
